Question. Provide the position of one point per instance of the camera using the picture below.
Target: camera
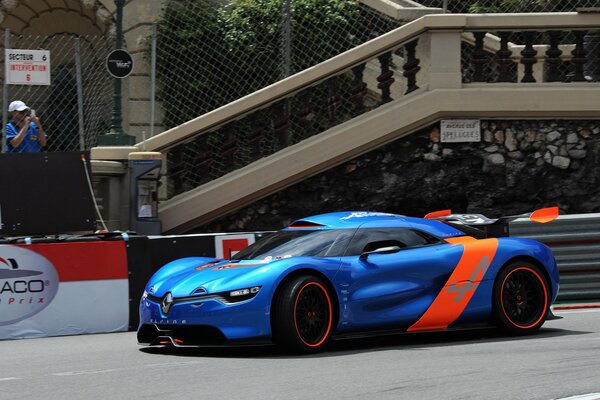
(30, 112)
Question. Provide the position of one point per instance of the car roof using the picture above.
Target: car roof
(373, 219)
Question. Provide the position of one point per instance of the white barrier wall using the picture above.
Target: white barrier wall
(51, 289)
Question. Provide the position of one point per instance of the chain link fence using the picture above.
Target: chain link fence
(210, 54)
(509, 6)
(56, 104)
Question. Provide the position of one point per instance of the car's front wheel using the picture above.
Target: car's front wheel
(521, 298)
(302, 315)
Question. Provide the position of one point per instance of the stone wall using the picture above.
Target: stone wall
(518, 166)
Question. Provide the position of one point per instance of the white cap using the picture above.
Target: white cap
(17, 105)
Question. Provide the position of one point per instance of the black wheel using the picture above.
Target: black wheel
(302, 315)
(521, 298)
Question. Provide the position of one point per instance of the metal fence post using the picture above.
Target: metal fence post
(5, 94)
(286, 38)
(152, 80)
(79, 94)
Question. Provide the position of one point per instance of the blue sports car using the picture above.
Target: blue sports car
(348, 273)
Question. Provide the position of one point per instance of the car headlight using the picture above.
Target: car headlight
(244, 292)
(236, 296)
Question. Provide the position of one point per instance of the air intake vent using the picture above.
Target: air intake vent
(305, 224)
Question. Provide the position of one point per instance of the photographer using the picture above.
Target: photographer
(24, 134)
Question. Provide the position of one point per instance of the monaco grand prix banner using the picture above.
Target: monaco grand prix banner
(51, 289)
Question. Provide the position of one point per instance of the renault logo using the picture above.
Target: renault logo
(167, 302)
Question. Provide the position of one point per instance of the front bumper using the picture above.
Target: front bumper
(204, 323)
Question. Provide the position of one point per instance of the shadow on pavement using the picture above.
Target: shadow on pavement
(412, 341)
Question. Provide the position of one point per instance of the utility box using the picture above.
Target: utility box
(144, 175)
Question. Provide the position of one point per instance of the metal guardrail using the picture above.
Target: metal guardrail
(575, 242)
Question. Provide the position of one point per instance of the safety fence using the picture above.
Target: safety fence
(575, 242)
(209, 53)
(76, 107)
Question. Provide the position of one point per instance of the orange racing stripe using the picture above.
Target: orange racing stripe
(460, 239)
(460, 287)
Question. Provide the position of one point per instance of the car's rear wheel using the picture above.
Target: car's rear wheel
(302, 315)
(521, 298)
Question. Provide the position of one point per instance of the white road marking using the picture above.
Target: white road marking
(589, 396)
(97, 371)
(104, 371)
(10, 378)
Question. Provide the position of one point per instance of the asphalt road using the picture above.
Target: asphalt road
(562, 360)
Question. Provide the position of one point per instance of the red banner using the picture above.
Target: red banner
(85, 261)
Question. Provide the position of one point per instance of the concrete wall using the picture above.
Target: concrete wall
(516, 167)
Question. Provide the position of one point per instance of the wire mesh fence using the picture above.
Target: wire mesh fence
(56, 104)
(209, 54)
(212, 52)
(510, 6)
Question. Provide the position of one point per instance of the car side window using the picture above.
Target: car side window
(370, 239)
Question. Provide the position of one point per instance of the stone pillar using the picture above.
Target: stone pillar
(139, 16)
(444, 60)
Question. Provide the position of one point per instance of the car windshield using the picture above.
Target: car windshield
(285, 244)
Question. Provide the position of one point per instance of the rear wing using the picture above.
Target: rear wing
(481, 226)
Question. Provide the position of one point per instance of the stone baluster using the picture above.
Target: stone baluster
(411, 66)
(579, 56)
(528, 57)
(359, 89)
(386, 78)
(553, 57)
(479, 58)
(503, 58)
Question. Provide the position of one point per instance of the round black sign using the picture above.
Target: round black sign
(119, 63)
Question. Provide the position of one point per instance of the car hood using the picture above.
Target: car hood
(209, 276)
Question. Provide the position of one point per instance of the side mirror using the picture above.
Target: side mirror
(381, 250)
